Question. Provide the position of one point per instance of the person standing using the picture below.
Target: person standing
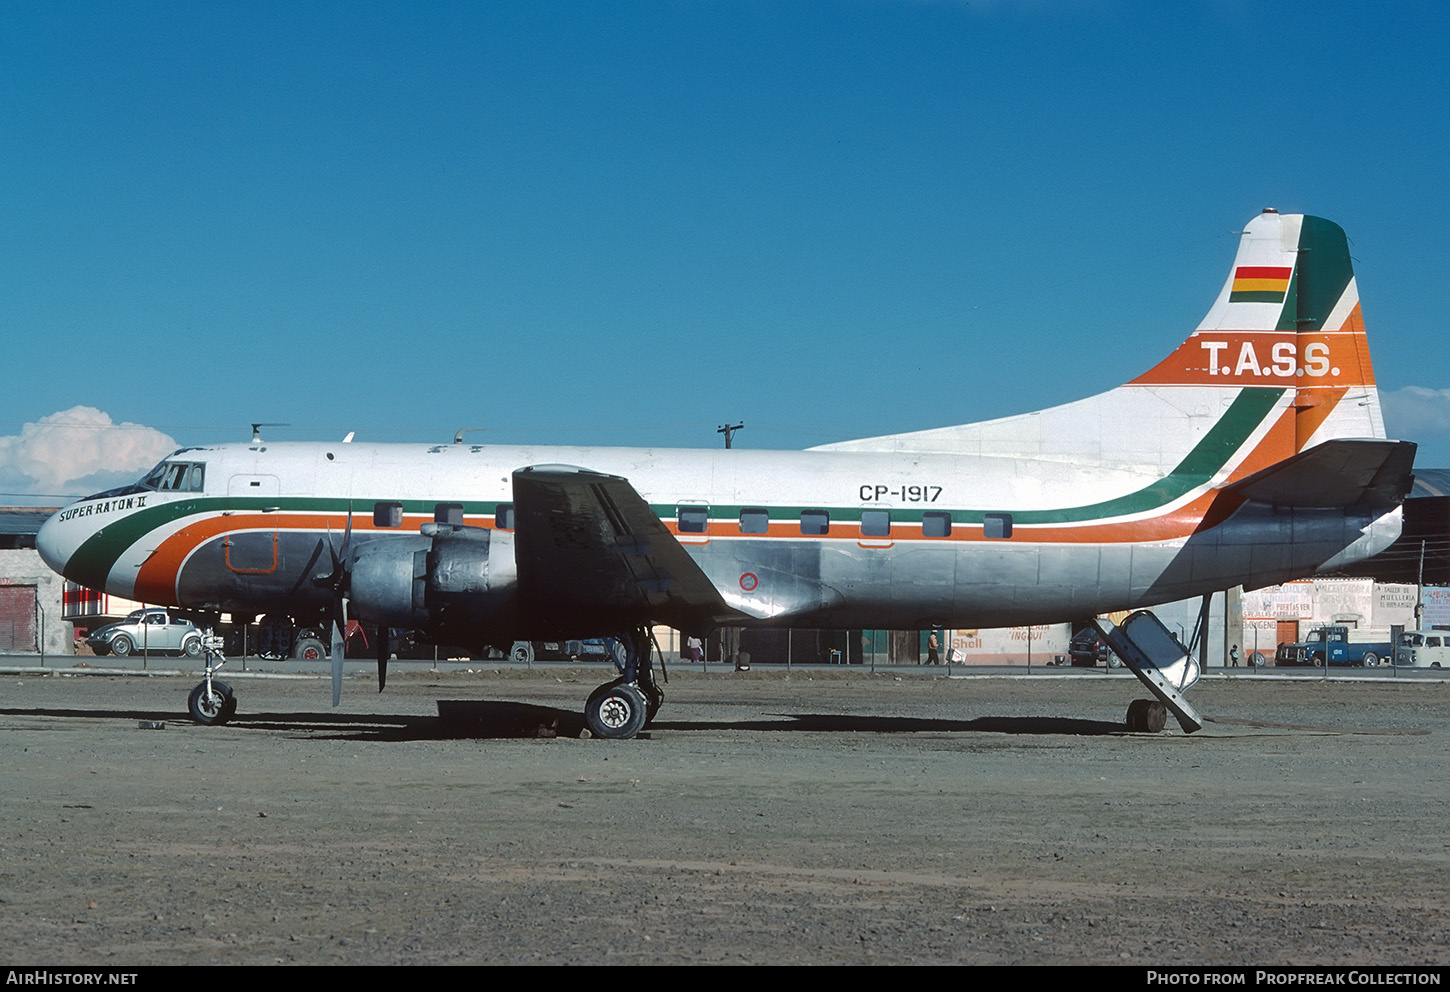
(931, 646)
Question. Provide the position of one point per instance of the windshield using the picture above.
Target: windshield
(172, 476)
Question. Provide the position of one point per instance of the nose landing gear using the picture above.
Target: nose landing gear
(212, 702)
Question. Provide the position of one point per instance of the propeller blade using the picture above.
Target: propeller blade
(339, 556)
(338, 581)
(382, 656)
(346, 535)
(339, 622)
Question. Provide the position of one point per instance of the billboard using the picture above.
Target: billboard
(1043, 644)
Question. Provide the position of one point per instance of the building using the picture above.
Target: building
(31, 595)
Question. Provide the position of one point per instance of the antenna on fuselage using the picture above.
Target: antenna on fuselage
(257, 431)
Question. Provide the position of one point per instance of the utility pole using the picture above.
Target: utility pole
(1420, 591)
(732, 634)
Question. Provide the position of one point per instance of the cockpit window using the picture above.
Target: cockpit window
(176, 477)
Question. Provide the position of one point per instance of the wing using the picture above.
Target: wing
(1335, 473)
(588, 545)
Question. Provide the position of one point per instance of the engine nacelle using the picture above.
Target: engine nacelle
(448, 583)
(471, 577)
(387, 582)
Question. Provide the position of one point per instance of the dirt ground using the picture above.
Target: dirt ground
(768, 818)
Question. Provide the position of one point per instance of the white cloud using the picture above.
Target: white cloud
(76, 451)
(1416, 412)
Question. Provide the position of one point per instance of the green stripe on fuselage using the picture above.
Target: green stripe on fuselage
(94, 559)
(1207, 458)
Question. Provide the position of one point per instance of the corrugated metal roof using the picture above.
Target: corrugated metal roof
(23, 521)
(1431, 482)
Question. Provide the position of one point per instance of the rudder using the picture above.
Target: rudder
(1288, 317)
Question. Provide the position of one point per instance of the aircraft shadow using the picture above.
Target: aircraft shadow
(851, 723)
(488, 719)
(495, 720)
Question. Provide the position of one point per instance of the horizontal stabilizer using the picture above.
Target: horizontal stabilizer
(587, 541)
(1344, 472)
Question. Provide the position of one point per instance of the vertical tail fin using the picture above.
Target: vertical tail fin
(1288, 317)
(1280, 364)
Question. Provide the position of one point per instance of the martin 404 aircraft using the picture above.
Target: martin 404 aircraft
(1253, 454)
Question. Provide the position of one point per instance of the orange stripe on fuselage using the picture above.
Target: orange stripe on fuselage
(156, 578)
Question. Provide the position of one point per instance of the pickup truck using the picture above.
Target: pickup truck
(1337, 645)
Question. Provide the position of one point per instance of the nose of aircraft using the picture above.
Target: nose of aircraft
(51, 542)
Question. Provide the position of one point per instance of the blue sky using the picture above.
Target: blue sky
(628, 223)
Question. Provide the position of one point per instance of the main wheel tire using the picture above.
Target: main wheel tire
(615, 711)
(654, 696)
(121, 646)
(605, 688)
(213, 710)
(191, 647)
(309, 649)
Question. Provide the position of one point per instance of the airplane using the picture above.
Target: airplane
(1254, 453)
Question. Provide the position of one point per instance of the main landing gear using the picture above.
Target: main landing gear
(212, 702)
(620, 709)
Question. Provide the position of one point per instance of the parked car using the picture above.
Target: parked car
(153, 631)
(1087, 649)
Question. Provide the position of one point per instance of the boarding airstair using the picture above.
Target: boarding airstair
(1162, 663)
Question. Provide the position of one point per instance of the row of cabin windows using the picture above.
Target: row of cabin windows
(753, 520)
(391, 514)
(874, 523)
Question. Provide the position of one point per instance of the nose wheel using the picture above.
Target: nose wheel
(212, 702)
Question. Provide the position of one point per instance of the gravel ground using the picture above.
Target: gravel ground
(806, 818)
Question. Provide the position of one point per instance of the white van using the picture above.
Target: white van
(1424, 649)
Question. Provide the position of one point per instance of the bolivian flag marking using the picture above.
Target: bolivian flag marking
(1260, 284)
